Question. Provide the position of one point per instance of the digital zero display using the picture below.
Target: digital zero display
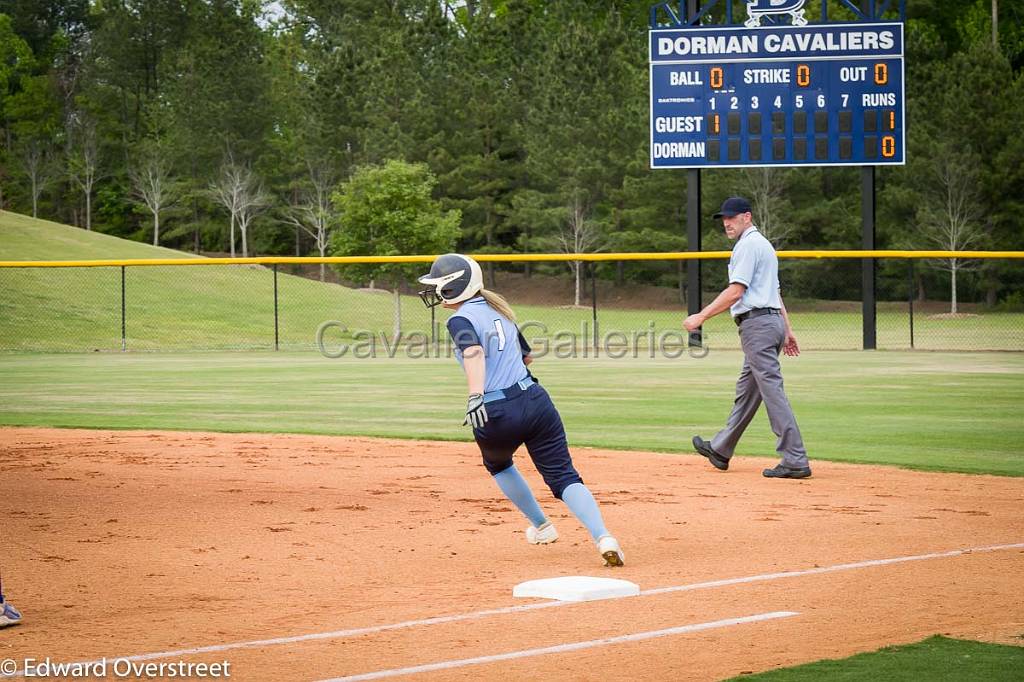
(815, 95)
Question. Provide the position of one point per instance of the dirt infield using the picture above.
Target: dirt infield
(130, 543)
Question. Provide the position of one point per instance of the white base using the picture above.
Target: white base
(576, 588)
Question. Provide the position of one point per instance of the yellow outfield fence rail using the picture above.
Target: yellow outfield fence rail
(505, 258)
(568, 305)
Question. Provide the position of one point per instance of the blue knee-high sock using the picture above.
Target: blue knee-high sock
(515, 488)
(581, 503)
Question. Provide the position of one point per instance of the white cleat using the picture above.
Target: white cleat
(610, 551)
(541, 535)
(8, 615)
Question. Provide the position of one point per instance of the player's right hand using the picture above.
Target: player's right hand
(476, 411)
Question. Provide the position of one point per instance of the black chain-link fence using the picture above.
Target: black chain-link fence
(619, 308)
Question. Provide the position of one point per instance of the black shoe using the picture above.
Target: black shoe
(704, 448)
(782, 471)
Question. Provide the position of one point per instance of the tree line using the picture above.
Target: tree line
(235, 126)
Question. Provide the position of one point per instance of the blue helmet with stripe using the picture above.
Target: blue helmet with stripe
(453, 278)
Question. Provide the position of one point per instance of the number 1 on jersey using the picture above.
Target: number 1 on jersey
(501, 334)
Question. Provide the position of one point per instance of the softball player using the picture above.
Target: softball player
(8, 614)
(506, 406)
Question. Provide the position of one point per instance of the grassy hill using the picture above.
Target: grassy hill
(166, 307)
(219, 306)
(25, 238)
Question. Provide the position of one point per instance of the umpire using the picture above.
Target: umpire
(756, 305)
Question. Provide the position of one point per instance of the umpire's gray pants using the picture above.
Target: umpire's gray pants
(761, 380)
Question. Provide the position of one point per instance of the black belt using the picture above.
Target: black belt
(756, 312)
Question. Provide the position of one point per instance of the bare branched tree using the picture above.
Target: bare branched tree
(995, 25)
(766, 189)
(312, 213)
(253, 202)
(226, 192)
(35, 159)
(579, 235)
(83, 163)
(241, 193)
(951, 218)
(153, 187)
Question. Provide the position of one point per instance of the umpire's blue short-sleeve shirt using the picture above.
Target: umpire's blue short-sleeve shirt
(754, 265)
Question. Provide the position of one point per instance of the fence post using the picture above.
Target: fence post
(276, 332)
(693, 243)
(910, 299)
(867, 217)
(124, 329)
(593, 303)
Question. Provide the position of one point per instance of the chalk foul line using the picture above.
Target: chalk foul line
(562, 648)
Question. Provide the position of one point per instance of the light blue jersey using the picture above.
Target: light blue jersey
(477, 323)
(755, 265)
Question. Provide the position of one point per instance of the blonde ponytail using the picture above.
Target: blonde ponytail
(498, 302)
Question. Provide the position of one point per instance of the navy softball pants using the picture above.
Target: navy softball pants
(528, 417)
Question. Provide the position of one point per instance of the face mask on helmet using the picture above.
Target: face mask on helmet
(453, 278)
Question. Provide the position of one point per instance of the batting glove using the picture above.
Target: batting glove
(476, 411)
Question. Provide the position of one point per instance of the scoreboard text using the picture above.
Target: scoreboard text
(828, 94)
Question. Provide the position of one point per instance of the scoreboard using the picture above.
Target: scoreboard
(815, 95)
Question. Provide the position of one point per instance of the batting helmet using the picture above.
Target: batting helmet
(453, 278)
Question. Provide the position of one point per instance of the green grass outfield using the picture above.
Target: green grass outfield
(948, 412)
(232, 307)
(936, 659)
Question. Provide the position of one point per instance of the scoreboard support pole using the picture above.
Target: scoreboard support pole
(693, 243)
(693, 235)
(867, 213)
